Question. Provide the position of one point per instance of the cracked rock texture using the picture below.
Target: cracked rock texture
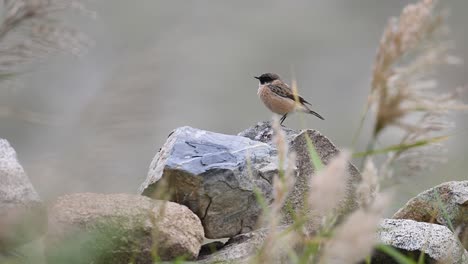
(215, 175)
(445, 204)
(121, 228)
(22, 214)
(437, 242)
(325, 149)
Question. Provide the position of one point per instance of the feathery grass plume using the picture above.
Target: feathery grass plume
(368, 188)
(32, 29)
(403, 90)
(355, 238)
(283, 182)
(328, 186)
(276, 244)
(409, 50)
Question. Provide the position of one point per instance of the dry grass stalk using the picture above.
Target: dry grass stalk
(284, 181)
(409, 50)
(275, 245)
(354, 239)
(279, 139)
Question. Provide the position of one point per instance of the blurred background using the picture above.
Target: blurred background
(95, 122)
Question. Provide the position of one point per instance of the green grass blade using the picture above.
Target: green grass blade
(444, 212)
(314, 156)
(7, 75)
(421, 258)
(395, 254)
(368, 260)
(358, 131)
(400, 147)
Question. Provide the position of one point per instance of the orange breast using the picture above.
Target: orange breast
(275, 103)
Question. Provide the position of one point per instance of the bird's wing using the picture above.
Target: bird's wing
(283, 90)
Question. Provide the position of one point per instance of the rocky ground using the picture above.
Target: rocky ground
(205, 185)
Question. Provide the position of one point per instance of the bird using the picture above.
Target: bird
(279, 98)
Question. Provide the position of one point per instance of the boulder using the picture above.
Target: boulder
(445, 204)
(216, 176)
(437, 242)
(120, 228)
(325, 149)
(22, 214)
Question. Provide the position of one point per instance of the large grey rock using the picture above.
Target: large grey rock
(410, 237)
(216, 176)
(325, 149)
(120, 228)
(445, 204)
(22, 214)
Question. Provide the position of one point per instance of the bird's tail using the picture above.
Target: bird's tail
(307, 110)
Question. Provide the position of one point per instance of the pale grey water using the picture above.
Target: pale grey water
(157, 65)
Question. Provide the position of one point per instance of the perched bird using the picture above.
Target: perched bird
(279, 98)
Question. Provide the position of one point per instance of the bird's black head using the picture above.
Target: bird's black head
(267, 77)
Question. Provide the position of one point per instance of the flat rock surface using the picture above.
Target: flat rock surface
(445, 204)
(216, 176)
(119, 228)
(22, 214)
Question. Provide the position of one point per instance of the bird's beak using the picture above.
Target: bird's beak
(258, 78)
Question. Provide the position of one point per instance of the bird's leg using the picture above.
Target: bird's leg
(283, 118)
